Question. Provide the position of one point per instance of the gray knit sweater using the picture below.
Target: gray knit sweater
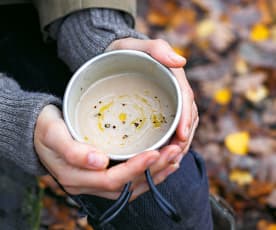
(79, 37)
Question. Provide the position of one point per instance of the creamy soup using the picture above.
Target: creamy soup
(124, 114)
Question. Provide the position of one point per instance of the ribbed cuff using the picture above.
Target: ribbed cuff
(18, 114)
(85, 34)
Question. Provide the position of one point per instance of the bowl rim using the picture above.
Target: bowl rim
(164, 139)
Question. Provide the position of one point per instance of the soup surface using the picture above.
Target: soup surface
(124, 114)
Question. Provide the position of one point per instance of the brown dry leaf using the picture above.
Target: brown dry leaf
(263, 225)
(265, 9)
(212, 152)
(245, 17)
(212, 72)
(157, 18)
(222, 37)
(268, 115)
(48, 181)
(266, 170)
(160, 12)
(68, 225)
(263, 54)
(258, 188)
(181, 16)
(248, 81)
(271, 199)
(262, 145)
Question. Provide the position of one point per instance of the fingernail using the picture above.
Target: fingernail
(96, 161)
(175, 57)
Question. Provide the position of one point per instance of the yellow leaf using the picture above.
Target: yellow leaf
(259, 32)
(272, 227)
(240, 177)
(241, 66)
(273, 33)
(237, 143)
(256, 95)
(223, 96)
(205, 28)
(179, 51)
(157, 18)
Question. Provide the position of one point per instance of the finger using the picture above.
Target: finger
(185, 123)
(167, 154)
(179, 158)
(94, 192)
(111, 179)
(191, 136)
(58, 139)
(158, 49)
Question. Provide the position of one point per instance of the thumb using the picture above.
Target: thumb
(158, 49)
(56, 137)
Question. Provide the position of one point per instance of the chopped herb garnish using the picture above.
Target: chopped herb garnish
(107, 125)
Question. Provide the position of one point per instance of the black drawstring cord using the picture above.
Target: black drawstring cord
(122, 201)
(167, 208)
(110, 213)
(115, 209)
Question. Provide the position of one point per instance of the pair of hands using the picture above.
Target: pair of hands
(82, 169)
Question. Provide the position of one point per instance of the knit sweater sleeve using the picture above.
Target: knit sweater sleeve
(18, 114)
(87, 33)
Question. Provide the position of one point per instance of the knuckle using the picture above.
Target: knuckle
(71, 156)
(112, 186)
(49, 129)
(157, 43)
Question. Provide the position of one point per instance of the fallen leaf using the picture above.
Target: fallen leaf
(240, 177)
(258, 55)
(241, 66)
(248, 82)
(271, 199)
(259, 32)
(205, 28)
(264, 8)
(245, 17)
(256, 95)
(257, 189)
(223, 96)
(266, 170)
(237, 143)
(262, 145)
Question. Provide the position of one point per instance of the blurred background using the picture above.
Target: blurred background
(230, 46)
